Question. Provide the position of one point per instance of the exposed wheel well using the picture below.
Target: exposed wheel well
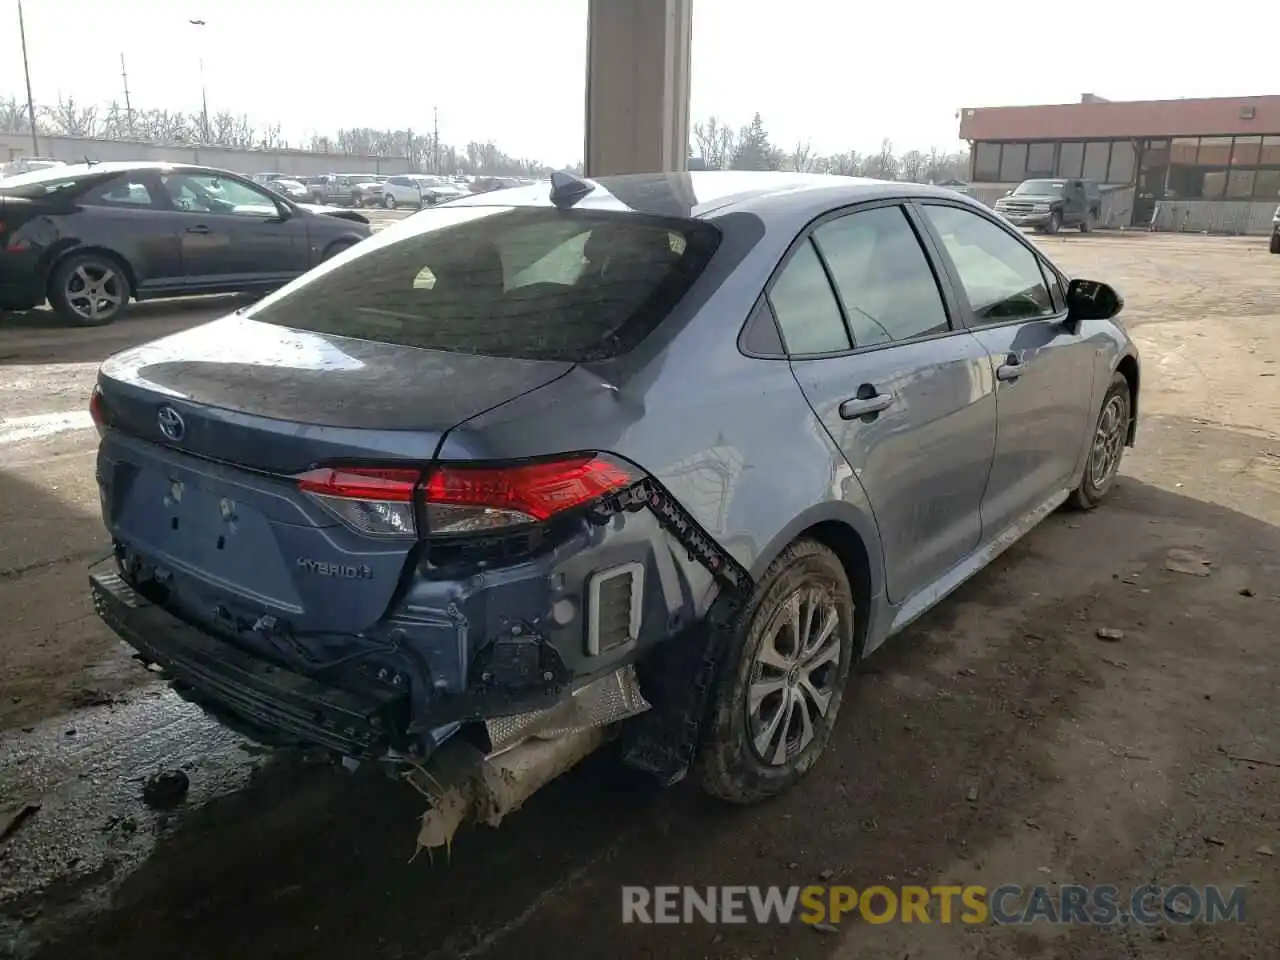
(1129, 367)
(842, 540)
(103, 252)
(337, 246)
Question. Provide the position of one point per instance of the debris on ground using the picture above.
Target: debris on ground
(825, 875)
(826, 928)
(1181, 560)
(1265, 850)
(1214, 841)
(91, 697)
(972, 795)
(1110, 633)
(1245, 592)
(165, 789)
(12, 817)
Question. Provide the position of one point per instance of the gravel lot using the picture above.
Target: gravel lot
(998, 741)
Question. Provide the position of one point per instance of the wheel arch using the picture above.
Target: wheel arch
(851, 536)
(1128, 368)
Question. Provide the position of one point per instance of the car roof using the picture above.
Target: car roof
(112, 167)
(705, 193)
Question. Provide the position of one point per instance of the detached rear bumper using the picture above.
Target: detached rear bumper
(267, 702)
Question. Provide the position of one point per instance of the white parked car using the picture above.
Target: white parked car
(402, 191)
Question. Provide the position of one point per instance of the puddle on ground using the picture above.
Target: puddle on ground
(86, 772)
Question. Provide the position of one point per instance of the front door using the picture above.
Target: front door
(906, 397)
(1043, 369)
(233, 233)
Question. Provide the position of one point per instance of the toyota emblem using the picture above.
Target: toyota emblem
(171, 424)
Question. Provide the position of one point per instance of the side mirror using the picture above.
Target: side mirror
(1092, 300)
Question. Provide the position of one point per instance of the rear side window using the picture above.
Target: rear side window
(528, 283)
(806, 307)
(881, 274)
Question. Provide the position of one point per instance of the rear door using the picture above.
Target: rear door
(129, 215)
(1043, 369)
(905, 394)
(232, 233)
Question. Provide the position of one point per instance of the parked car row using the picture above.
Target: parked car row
(89, 238)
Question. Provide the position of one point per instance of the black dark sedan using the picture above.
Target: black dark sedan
(91, 237)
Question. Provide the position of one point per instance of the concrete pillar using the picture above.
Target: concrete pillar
(637, 86)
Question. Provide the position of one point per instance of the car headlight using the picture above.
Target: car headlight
(1042, 208)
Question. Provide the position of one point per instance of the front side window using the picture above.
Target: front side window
(882, 276)
(210, 193)
(806, 306)
(1000, 275)
(529, 283)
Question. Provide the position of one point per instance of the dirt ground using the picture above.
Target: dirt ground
(998, 741)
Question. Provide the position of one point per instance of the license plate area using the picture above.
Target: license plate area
(198, 526)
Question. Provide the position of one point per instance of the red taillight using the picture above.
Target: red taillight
(462, 499)
(361, 483)
(96, 411)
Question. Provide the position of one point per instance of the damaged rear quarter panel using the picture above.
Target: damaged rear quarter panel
(730, 437)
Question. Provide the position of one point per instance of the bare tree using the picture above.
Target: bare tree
(72, 120)
(912, 166)
(884, 165)
(13, 116)
(800, 157)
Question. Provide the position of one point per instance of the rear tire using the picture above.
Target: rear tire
(1275, 243)
(782, 679)
(1110, 432)
(90, 289)
(1086, 225)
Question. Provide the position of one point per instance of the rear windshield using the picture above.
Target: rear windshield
(523, 282)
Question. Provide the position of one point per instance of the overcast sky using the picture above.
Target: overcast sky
(839, 72)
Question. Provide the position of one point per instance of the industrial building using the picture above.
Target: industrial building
(1201, 164)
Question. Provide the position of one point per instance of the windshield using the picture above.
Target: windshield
(1041, 188)
(529, 283)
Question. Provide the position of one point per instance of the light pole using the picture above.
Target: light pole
(204, 96)
(26, 69)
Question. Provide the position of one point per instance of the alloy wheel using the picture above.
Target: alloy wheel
(94, 291)
(1108, 442)
(793, 675)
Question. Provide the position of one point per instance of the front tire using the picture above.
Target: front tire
(1275, 243)
(782, 679)
(1054, 224)
(389, 202)
(90, 289)
(1110, 433)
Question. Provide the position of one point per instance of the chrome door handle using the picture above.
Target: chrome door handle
(856, 407)
(200, 229)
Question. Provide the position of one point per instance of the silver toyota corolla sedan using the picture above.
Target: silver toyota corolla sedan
(717, 434)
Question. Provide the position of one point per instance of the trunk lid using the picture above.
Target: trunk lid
(211, 504)
(278, 400)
